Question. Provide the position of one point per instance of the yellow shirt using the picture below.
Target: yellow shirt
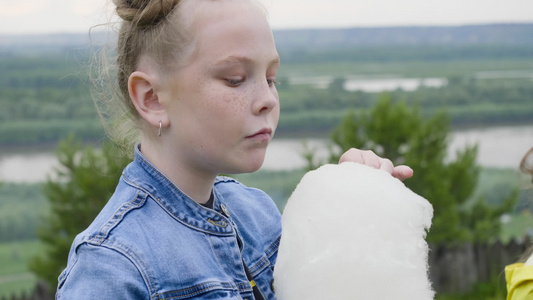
(519, 282)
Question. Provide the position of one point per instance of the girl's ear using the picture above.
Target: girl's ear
(141, 87)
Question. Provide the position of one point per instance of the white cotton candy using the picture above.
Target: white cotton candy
(353, 232)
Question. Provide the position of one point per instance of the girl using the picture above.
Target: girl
(197, 77)
(519, 276)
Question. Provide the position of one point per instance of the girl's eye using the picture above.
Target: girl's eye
(234, 82)
(272, 82)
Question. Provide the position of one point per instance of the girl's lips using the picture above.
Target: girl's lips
(263, 134)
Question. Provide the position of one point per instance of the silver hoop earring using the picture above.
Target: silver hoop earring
(160, 128)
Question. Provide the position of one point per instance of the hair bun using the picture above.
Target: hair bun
(144, 12)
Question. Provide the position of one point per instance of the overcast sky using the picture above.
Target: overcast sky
(52, 16)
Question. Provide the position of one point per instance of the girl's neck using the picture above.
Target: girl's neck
(195, 184)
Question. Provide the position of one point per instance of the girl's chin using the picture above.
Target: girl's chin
(249, 167)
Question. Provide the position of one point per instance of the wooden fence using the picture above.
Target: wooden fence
(41, 292)
(457, 268)
(453, 269)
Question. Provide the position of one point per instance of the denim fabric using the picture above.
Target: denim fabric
(151, 241)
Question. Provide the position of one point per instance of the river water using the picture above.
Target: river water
(372, 85)
(501, 146)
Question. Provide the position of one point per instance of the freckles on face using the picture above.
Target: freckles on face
(227, 76)
(216, 96)
(238, 102)
(218, 102)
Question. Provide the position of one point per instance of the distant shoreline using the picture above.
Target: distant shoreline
(343, 37)
(289, 134)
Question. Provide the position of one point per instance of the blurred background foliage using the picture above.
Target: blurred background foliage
(45, 99)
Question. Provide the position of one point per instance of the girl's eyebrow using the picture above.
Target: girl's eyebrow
(241, 60)
(232, 60)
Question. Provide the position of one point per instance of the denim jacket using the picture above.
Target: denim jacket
(151, 241)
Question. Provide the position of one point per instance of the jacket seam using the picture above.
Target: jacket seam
(130, 255)
(273, 248)
(194, 290)
(136, 186)
(260, 266)
(118, 216)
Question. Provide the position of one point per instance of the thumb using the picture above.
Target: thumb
(402, 172)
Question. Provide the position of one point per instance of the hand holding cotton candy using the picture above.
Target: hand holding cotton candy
(353, 232)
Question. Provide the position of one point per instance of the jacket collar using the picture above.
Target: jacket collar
(142, 174)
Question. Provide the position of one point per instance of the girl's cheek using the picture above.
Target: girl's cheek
(234, 99)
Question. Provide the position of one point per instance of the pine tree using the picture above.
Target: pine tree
(82, 185)
(400, 133)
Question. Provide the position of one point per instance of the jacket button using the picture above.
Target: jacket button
(224, 210)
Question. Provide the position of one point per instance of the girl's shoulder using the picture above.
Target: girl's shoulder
(246, 202)
(228, 185)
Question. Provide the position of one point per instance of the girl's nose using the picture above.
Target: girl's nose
(266, 98)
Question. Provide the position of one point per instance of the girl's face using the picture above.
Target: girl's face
(222, 103)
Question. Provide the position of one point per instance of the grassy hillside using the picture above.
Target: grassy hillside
(15, 277)
(46, 91)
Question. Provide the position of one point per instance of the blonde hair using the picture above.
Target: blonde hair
(155, 29)
(526, 165)
(149, 28)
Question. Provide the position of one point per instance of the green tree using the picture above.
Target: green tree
(400, 133)
(337, 84)
(83, 184)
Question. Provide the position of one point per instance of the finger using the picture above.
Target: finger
(352, 155)
(402, 172)
(386, 165)
(371, 159)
